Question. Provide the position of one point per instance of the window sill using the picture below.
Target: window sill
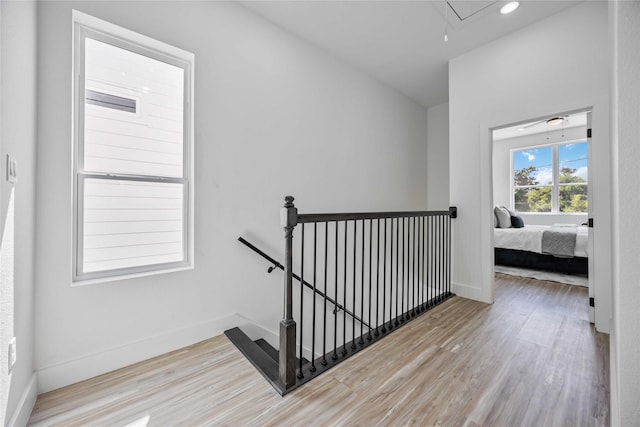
(96, 281)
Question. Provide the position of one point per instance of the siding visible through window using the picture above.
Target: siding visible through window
(110, 101)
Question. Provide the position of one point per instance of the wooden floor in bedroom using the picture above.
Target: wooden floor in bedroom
(530, 359)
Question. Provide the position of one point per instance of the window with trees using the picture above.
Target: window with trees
(551, 178)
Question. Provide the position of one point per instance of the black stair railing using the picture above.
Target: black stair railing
(368, 274)
(277, 265)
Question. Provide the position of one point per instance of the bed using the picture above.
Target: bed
(524, 247)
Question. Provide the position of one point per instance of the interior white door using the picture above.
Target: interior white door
(592, 311)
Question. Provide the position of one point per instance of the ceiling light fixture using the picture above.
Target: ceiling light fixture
(509, 7)
(555, 121)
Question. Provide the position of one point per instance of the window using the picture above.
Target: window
(133, 177)
(551, 178)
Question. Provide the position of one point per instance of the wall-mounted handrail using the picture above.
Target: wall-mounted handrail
(318, 292)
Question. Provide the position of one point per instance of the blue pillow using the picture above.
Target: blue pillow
(517, 221)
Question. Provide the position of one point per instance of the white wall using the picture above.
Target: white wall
(18, 138)
(438, 157)
(502, 173)
(273, 117)
(625, 344)
(511, 80)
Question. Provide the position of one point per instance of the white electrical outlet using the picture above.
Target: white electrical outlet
(12, 353)
(12, 173)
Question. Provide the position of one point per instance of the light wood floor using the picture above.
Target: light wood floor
(530, 359)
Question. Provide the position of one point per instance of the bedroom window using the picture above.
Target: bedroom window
(133, 177)
(551, 178)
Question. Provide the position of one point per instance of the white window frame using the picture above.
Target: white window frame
(85, 25)
(555, 185)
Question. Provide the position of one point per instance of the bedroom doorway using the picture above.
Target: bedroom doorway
(542, 200)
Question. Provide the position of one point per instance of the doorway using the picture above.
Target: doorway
(542, 200)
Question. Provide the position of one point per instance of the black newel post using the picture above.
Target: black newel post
(288, 220)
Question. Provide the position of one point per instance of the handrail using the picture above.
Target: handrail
(276, 264)
(322, 217)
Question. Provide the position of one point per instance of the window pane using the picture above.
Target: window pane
(572, 163)
(573, 198)
(131, 224)
(533, 199)
(533, 166)
(146, 137)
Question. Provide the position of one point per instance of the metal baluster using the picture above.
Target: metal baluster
(391, 280)
(449, 258)
(422, 261)
(300, 374)
(419, 268)
(313, 326)
(436, 242)
(324, 322)
(439, 258)
(431, 263)
(402, 275)
(408, 270)
(361, 341)
(447, 222)
(369, 337)
(377, 333)
(344, 291)
(444, 256)
(384, 276)
(353, 323)
(436, 272)
(335, 311)
(413, 268)
(444, 267)
(408, 312)
(397, 267)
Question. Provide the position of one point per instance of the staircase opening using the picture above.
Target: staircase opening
(359, 277)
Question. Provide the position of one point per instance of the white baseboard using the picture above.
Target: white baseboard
(27, 401)
(89, 366)
(470, 292)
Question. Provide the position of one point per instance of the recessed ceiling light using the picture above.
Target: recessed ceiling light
(509, 7)
(520, 129)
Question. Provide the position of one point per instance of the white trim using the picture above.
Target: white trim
(106, 279)
(91, 365)
(25, 406)
(116, 30)
(472, 292)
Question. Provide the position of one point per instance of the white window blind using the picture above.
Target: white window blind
(133, 186)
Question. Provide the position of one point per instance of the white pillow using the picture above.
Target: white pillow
(504, 218)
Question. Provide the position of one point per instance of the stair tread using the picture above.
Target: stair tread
(268, 348)
(272, 352)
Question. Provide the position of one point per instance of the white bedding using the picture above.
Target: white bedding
(529, 238)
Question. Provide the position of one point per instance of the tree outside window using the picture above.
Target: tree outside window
(551, 178)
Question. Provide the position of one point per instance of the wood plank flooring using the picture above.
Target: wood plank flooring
(530, 359)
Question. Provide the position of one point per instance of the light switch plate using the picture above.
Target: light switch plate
(12, 353)
(12, 166)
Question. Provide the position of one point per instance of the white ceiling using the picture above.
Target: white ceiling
(401, 43)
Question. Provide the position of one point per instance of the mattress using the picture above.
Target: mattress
(529, 238)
